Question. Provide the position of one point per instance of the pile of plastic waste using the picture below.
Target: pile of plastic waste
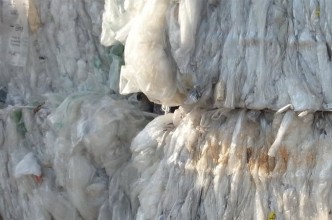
(165, 109)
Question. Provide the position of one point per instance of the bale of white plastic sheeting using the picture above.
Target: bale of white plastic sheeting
(250, 137)
(51, 47)
(217, 165)
(87, 141)
(264, 54)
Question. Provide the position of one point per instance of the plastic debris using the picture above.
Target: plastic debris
(249, 83)
(28, 166)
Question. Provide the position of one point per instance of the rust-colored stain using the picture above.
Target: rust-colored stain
(284, 153)
(282, 160)
(311, 159)
(263, 161)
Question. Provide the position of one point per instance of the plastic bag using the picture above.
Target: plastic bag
(95, 143)
(155, 75)
(117, 20)
(28, 166)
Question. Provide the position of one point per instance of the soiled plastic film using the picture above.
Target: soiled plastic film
(220, 167)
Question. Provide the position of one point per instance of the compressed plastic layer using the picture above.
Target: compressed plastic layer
(60, 166)
(149, 67)
(43, 52)
(265, 54)
(217, 165)
(68, 143)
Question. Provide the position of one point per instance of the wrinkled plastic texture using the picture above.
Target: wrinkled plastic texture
(117, 19)
(247, 141)
(219, 167)
(27, 166)
(149, 67)
(262, 55)
(85, 142)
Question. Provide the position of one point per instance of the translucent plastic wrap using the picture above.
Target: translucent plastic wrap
(117, 19)
(246, 141)
(62, 135)
(262, 55)
(216, 165)
(95, 143)
(86, 143)
(149, 66)
(27, 166)
(44, 52)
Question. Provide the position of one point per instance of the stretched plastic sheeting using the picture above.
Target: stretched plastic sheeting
(217, 165)
(86, 142)
(262, 55)
(43, 52)
(57, 151)
(72, 148)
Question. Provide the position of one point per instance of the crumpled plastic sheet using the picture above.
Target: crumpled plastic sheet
(264, 54)
(43, 52)
(72, 148)
(217, 165)
(58, 151)
(66, 174)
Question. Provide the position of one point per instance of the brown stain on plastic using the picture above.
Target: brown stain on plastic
(283, 157)
(33, 17)
(263, 161)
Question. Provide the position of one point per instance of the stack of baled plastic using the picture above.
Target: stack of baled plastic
(64, 133)
(259, 55)
(251, 138)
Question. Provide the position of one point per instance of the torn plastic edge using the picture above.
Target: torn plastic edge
(285, 123)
